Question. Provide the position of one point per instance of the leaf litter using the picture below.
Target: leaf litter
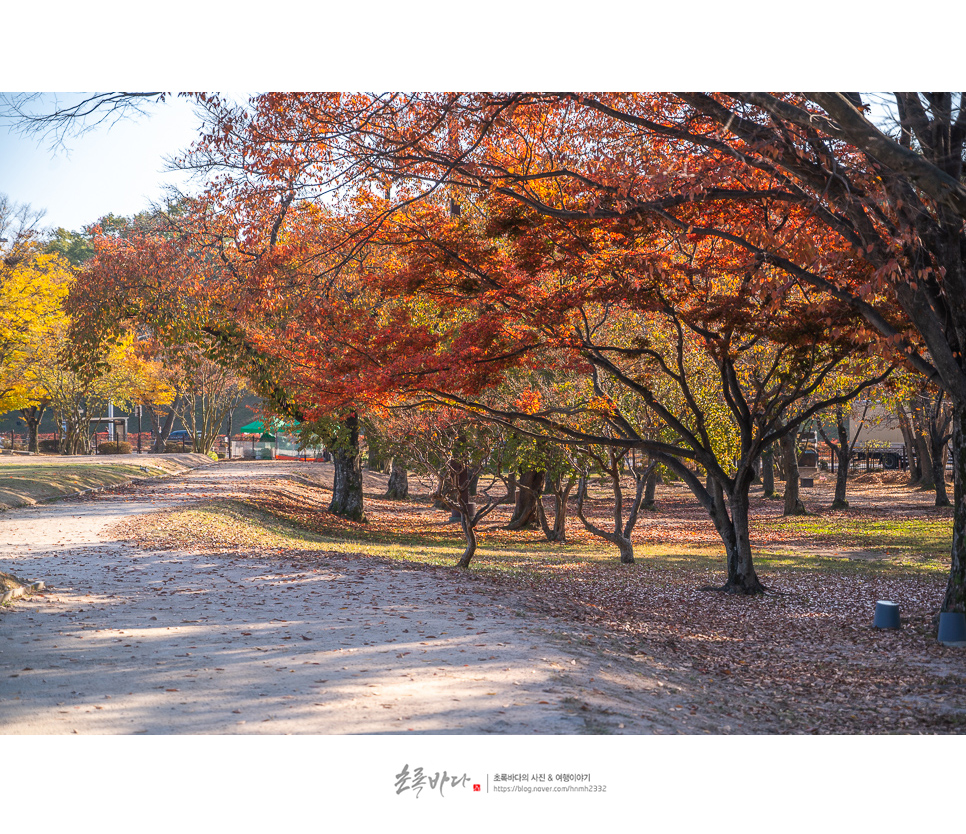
(802, 659)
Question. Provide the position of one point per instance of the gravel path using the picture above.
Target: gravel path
(134, 641)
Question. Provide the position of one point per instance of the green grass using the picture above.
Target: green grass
(22, 484)
(238, 524)
(919, 542)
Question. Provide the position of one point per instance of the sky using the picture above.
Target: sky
(118, 169)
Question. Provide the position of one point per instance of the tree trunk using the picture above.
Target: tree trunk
(398, 487)
(936, 452)
(347, 484)
(470, 533)
(915, 474)
(529, 490)
(793, 504)
(511, 489)
(621, 535)
(768, 471)
(558, 531)
(32, 417)
(162, 432)
(955, 598)
(626, 550)
(842, 453)
(927, 479)
(459, 476)
(742, 578)
(650, 488)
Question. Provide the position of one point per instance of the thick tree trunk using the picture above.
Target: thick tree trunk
(793, 503)
(626, 550)
(529, 490)
(347, 483)
(398, 487)
(955, 599)
(742, 578)
(375, 462)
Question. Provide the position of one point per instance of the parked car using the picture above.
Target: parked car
(179, 437)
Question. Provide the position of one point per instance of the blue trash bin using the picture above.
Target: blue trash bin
(886, 615)
(952, 627)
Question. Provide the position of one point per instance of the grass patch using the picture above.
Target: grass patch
(22, 485)
(276, 525)
(921, 543)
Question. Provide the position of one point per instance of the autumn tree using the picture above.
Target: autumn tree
(453, 449)
(707, 164)
(32, 288)
(490, 303)
(842, 445)
(893, 195)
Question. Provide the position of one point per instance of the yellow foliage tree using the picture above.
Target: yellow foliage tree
(32, 291)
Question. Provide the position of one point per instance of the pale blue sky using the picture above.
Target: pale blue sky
(119, 170)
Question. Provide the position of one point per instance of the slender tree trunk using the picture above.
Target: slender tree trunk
(32, 417)
(915, 473)
(955, 598)
(939, 471)
(650, 488)
(793, 503)
(163, 431)
(470, 533)
(460, 478)
(625, 548)
(557, 532)
(937, 428)
(347, 483)
(621, 535)
(398, 487)
(842, 453)
(768, 471)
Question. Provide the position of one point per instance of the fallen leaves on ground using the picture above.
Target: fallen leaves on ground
(803, 658)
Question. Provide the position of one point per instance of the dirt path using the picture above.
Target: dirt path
(134, 641)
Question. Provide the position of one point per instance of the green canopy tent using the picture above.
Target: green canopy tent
(258, 427)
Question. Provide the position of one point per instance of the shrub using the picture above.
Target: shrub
(112, 447)
(49, 447)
